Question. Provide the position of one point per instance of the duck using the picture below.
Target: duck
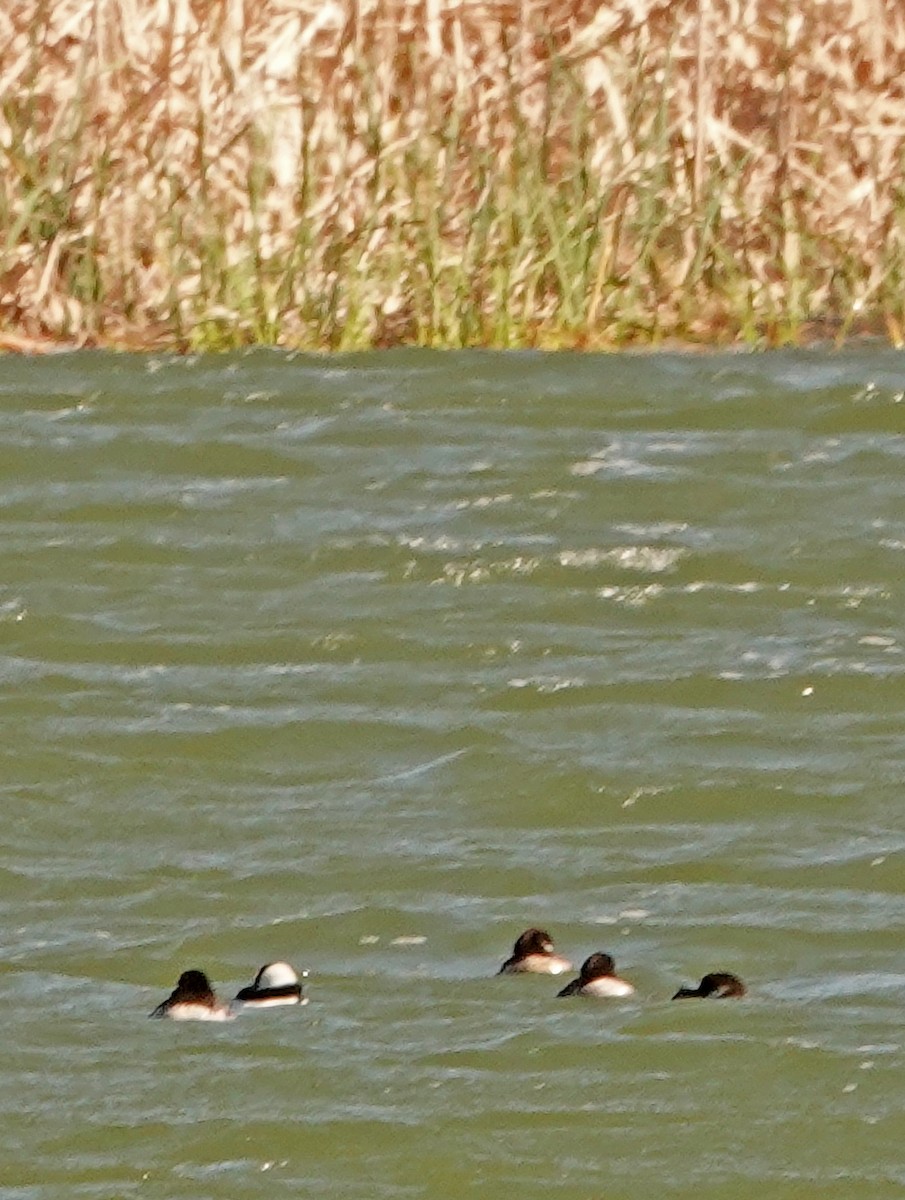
(192, 999)
(534, 953)
(719, 985)
(598, 977)
(275, 984)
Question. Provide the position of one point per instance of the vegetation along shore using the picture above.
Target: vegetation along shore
(342, 174)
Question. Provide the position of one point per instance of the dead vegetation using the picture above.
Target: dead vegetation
(350, 173)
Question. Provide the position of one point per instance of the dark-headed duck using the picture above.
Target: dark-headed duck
(192, 999)
(720, 985)
(598, 978)
(534, 953)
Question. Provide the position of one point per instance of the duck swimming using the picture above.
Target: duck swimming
(275, 984)
(534, 953)
(192, 999)
(598, 978)
(719, 985)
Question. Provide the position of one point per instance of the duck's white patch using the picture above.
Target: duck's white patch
(192, 1011)
(608, 985)
(272, 1001)
(540, 964)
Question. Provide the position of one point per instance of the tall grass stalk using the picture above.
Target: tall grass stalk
(355, 173)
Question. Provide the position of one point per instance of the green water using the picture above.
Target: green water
(370, 663)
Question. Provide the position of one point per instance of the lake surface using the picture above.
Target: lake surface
(370, 663)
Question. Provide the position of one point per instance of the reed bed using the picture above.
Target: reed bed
(338, 174)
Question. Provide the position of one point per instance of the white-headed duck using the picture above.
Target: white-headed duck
(276, 983)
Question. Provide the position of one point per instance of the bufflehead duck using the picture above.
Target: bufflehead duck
(597, 978)
(192, 999)
(276, 983)
(720, 985)
(534, 953)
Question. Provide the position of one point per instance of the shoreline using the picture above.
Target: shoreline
(15, 345)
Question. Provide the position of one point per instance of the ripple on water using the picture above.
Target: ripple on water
(370, 663)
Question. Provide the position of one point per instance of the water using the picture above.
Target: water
(370, 663)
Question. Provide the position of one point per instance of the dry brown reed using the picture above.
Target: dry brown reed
(351, 173)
